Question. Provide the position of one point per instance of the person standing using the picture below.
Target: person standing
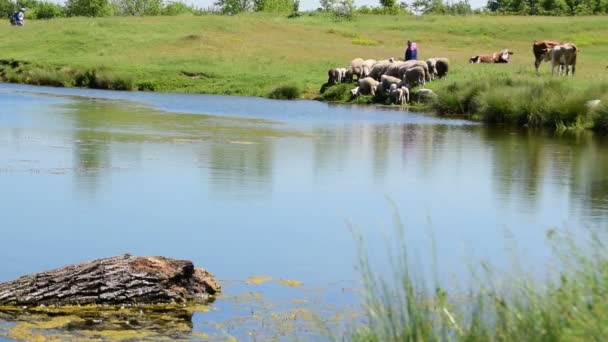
(411, 53)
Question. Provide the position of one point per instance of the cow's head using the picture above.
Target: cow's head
(504, 55)
(546, 54)
(474, 59)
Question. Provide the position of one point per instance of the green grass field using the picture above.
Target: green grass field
(252, 54)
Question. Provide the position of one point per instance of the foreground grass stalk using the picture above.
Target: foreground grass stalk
(569, 306)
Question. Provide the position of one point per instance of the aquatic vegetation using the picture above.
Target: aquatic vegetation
(568, 306)
(258, 279)
(290, 282)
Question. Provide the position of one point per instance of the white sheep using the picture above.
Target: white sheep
(414, 76)
(431, 63)
(334, 76)
(387, 81)
(367, 86)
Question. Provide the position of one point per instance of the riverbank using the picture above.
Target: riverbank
(289, 58)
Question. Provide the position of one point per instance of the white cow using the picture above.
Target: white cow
(563, 56)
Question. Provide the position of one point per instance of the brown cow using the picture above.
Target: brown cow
(540, 47)
(496, 57)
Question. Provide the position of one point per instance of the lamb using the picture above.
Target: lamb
(367, 86)
(414, 76)
(399, 95)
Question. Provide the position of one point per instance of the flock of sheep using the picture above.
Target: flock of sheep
(389, 79)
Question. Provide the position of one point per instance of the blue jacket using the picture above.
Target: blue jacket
(411, 52)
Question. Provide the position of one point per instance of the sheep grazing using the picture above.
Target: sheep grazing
(399, 95)
(356, 68)
(380, 68)
(431, 63)
(367, 86)
(441, 67)
(336, 75)
(404, 66)
(414, 76)
(423, 95)
(387, 81)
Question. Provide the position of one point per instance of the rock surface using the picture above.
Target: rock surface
(116, 280)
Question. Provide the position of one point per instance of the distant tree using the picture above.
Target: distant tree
(341, 9)
(460, 8)
(7, 8)
(420, 6)
(327, 5)
(388, 3)
(555, 7)
(88, 8)
(233, 6)
(139, 7)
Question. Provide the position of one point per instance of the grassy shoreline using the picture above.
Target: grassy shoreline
(289, 58)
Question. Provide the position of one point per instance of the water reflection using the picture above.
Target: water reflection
(268, 191)
(241, 168)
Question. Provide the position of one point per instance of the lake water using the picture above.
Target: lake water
(248, 187)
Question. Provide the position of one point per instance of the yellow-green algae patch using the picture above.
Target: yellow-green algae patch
(257, 279)
(290, 282)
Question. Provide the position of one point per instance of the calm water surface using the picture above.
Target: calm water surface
(248, 186)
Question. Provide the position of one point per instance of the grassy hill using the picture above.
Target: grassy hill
(250, 54)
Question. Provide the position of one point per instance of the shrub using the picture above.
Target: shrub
(233, 6)
(600, 118)
(48, 77)
(285, 92)
(139, 7)
(49, 10)
(337, 93)
(176, 8)
(281, 6)
(6, 8)
(88, 8)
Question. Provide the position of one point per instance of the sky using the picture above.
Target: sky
(311, 4)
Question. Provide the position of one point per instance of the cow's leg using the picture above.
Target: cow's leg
(573, 69)
(537, 63)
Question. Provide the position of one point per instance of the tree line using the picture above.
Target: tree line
(41, 9)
